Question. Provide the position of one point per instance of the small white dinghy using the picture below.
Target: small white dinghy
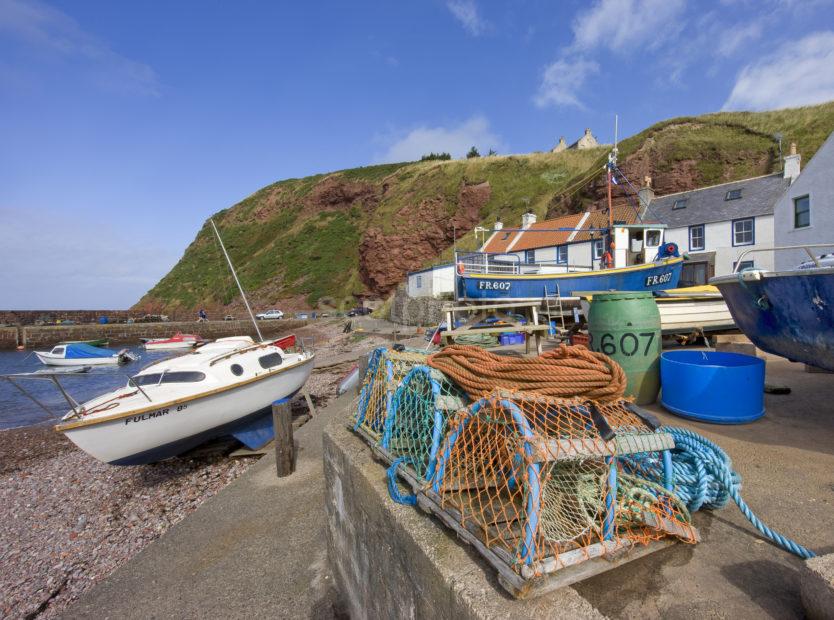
(177, 341)
(80, 354)
(177, 404)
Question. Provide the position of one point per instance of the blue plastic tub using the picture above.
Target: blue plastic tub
(712, 386)
(511, 338)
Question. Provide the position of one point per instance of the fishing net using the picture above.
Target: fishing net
(417, 419)
(541, 481)
(386, 370)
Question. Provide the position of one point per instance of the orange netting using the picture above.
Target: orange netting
(563, 372)
(544, 482)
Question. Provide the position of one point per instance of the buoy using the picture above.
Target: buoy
(460, 269)
(20, 347)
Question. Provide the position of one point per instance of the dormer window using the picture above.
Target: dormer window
(680, 203)
(733, 194)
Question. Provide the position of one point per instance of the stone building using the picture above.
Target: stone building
(587, 141)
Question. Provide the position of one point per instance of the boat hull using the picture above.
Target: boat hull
(54, 360)
(655, 276)
(169, 346)
(155, 435)
(785, 313)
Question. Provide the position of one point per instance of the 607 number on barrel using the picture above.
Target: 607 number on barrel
(628, 344)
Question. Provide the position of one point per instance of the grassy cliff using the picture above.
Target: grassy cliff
(351, 233)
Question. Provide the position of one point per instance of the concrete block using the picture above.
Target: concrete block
(816, 582)
(735, 343)
(393, 561)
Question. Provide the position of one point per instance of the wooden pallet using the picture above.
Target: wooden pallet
(521, 580)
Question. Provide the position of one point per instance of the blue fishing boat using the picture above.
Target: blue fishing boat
(787, 313)
(619, 249)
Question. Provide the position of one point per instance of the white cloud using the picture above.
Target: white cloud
(623, 25)
(466, 12)
(732, 38)
(562, 80)
(455, 140)
(798, 73)
(52, 32)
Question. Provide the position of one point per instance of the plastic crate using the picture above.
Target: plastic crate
(513, 338)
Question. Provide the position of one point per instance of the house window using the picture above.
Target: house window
(743, 232)
(679, 204)
(745, 264)
(529, 256)
(562, 254)
(419, 282)
(599, 246)
(801, 212)
(696, 238)
(733, 194)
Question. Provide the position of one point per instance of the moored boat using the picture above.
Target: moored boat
(787, 313)
(83, 355)
(685, 310)
(179, 403)
(177, 341)
(95, 342)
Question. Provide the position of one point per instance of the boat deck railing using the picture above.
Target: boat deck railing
(510, 264)
(779, 248)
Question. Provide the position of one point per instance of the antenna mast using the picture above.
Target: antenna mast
(239, 287)
(612, 161)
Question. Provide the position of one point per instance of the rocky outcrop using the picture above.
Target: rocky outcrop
(420, 233)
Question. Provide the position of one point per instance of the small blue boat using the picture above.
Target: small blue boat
(787, 313)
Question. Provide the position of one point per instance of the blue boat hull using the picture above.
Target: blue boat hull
(789, 313)
(656, 276)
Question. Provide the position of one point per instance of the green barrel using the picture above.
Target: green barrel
(626, 327)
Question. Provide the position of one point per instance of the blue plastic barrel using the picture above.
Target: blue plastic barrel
(712, 386)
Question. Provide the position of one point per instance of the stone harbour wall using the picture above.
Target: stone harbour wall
(33, 337)
(393, 561)
(420, 311)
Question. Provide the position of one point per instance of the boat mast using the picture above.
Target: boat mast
(612, 161)
(240, 288)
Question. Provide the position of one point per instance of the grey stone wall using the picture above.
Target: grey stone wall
(425, 311)
(122, 333)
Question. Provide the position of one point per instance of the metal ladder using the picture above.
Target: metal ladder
(552, 303)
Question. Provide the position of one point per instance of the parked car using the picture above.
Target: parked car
(359, 311)
(228, 317)
(269, 314)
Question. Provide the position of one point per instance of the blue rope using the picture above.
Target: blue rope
(704, 478)
(393, 487)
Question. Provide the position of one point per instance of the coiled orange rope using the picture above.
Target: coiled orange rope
(564, 372)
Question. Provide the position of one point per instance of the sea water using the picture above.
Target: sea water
(18, 410)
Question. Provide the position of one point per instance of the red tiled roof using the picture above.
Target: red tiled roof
(543, 234)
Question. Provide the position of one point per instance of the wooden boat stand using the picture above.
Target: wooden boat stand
(480, 312)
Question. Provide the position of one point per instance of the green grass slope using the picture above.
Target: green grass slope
(301, 240)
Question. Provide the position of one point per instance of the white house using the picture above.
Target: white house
(805, 212)
(432, 281)
(714, 225)
(574, 241)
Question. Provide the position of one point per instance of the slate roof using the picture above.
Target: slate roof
(703, 206)
(543, 235)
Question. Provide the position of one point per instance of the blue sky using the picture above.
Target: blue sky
(125, 125)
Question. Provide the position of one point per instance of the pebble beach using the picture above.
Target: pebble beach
(67, 521)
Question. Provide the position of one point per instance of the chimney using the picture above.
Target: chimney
(645, 195)
(791, 168)
(528, 219)
(498, 226)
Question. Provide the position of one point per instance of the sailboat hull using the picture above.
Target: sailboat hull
(656, 276)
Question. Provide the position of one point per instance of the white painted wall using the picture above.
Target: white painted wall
(718, 238)
(431, 282)
(817, 182)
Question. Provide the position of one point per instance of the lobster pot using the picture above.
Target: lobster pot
(416, 422)
(542, 483)
(386, 369)
(626, 327)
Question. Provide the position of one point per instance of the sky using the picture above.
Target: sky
(124, 125)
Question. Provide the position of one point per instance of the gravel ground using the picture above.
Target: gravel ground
(67, 521)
